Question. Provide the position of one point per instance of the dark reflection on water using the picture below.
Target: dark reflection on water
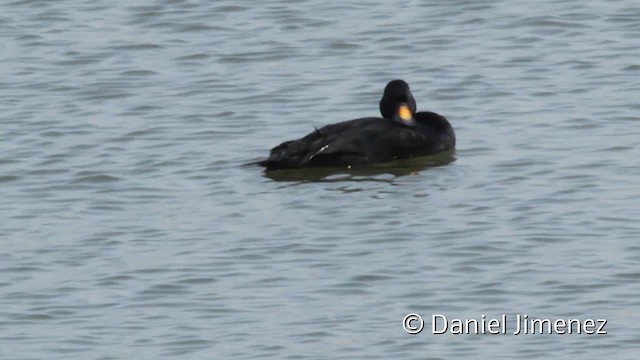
(396, 168)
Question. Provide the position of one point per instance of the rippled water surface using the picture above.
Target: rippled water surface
(131, 229)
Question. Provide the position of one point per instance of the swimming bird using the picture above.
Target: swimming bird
(401, 133)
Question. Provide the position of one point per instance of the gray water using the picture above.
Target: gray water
(131, 229)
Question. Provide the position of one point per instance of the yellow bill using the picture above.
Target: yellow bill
(404, 113)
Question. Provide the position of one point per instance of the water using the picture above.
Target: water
(131, 229)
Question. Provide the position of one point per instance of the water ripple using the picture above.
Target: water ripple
(132, 224)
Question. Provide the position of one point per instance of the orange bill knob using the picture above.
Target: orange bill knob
(404, 113)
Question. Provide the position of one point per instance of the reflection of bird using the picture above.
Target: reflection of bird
(402, 133)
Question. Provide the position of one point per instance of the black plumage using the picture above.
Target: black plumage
(401, 133)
